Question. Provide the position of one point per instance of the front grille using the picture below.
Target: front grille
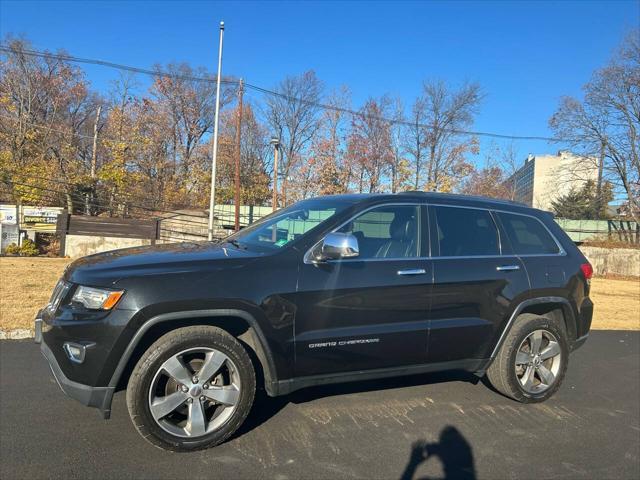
(59, 292)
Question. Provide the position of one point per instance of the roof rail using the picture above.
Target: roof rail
(459, 195)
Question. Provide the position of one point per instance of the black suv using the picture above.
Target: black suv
(332, 289)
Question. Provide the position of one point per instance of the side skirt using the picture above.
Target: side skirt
(283, 387)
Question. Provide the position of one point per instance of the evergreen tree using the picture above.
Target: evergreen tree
(582, 204)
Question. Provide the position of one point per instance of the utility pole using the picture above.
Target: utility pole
(238, 138)
(94, 161)
(212, 198)
(94, 153)
(276, 149)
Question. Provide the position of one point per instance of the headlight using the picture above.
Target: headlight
(96, 298)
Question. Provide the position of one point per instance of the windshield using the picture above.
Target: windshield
(283, 226)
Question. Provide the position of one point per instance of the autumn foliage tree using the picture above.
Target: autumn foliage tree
(327, 171)
(369, 145)
(489, 181)
(254, 159)
(45, 107)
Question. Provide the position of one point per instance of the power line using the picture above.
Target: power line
(266, 91)
(397, 121)
(118, 66)
(101, 138)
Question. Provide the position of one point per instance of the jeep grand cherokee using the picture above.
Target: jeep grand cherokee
(332, 289)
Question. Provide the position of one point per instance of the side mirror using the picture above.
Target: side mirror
(338, 245)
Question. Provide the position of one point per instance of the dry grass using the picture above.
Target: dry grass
(26, 283)
(605, 241)
(25, 287)
(617, 304)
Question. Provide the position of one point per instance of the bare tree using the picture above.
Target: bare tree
(399, 166)
(496, 177)
(369, 145)
(189, 105)
(325, 171)
(501, 159)
(415, 139)
(508, 161)
(605, 125)
(334, 173)
(446, 111)
(293, 114)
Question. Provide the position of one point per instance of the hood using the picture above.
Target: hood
(104, 269)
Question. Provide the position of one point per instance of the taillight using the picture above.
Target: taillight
(587, 270)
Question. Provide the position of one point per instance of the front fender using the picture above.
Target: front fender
(255, 339)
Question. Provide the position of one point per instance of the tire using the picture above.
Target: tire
(207, 411)
(516, 373)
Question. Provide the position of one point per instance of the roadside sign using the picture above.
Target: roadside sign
(8, 235)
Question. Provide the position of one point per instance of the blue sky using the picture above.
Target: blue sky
(526, 55)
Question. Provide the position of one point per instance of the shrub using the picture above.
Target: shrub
(28, 248)
(49, 244)
(12, 249)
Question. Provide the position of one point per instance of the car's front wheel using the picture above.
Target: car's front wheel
(191, 389)
(532, 361)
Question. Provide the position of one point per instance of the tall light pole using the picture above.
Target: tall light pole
(237, 156)
(212, 201)
(275, 141)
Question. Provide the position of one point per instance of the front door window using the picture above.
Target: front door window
(387, 232)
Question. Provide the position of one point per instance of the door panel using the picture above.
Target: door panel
(470, 301)
(372, 311)
(473, 284)
(357, 315)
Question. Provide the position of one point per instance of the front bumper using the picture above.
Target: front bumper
(97, 397)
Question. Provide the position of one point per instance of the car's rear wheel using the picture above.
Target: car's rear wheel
(191, 389)
(532, 361)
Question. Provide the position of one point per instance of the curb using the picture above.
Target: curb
(17, 334)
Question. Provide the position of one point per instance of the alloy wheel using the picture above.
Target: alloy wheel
(537, 361)
(194, 392)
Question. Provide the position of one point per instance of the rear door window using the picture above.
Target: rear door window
(528, 235)
(463, 232)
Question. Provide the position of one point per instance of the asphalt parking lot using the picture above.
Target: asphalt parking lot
(428, 426)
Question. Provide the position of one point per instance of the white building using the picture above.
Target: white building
(544, 178)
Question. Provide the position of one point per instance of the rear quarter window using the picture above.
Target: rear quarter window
(528, 235)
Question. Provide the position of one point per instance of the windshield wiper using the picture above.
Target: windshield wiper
(236, 244)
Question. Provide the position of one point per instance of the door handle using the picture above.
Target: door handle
(415, 271)
(507, 268)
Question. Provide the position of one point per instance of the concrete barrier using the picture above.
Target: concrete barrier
(81, 245)
(617, 261)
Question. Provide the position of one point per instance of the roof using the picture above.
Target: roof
(431, 197)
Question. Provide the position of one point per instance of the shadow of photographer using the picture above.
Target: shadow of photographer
(452, 450)
(265, 407)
